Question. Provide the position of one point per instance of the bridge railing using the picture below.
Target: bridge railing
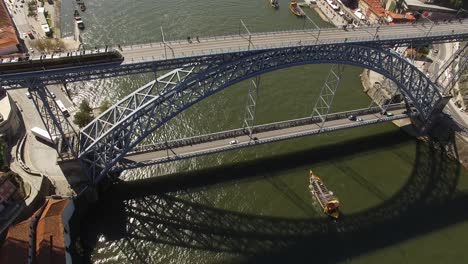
(256, 129)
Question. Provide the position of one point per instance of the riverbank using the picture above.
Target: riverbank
(328, 14)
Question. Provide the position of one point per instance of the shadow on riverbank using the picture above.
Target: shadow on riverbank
(134, 214)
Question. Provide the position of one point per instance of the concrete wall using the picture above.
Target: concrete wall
(11, 122)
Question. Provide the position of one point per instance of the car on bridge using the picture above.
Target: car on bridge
(387, 113)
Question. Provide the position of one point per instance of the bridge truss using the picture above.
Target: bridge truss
(105, 142)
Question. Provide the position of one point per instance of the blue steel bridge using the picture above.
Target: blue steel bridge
(199, 69)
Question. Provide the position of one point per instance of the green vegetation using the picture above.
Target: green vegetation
(392, 7)
(32, 9)
(455, 4)
(16, 180)
(22, 188)
(424, 50)
(84, 116)
(104, 106)
(3, 148)
(48, 45)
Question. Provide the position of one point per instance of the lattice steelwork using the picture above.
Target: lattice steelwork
(251, 106)
(106, 140)
(130, 105)
(54, 120)
(459, 65)
(438, 76)
(327, 93)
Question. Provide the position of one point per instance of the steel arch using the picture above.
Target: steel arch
(103, 144)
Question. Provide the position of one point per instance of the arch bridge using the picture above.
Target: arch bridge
(106, 141)
(213, 64)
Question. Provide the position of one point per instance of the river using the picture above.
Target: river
(403, 201)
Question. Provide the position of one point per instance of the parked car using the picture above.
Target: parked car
(233, 142)
(28, 95)
(52, 94)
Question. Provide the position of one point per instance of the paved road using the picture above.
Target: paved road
(269, 135)
(159, 51)
(38, 155)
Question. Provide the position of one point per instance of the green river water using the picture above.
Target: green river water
(402, 201)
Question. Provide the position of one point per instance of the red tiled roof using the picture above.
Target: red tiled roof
(7, 31)
(15, 249)
(396, 16)
(50, 241)
(375, 7)
(16, 246)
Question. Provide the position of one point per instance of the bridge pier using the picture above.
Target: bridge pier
(423, 127)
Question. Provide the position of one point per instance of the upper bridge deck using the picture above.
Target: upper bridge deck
(77, 66)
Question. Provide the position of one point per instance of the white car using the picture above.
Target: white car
(233, 142)
(341, 13)
(28, 95)
(52, 95)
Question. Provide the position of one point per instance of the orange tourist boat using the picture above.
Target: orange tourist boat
(326, 199)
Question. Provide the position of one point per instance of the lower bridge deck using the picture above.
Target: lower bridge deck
(146, 156)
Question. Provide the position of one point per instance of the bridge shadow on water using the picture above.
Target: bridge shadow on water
(135, 214)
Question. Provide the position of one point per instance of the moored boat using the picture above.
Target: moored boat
(325, 198)
(82, 7)
(274, 3)
(79, 22)
(295, 9)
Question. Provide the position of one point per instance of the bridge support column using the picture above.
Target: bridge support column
(251, 105)
(327, 93)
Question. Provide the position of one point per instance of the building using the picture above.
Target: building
(43, 238)
(9, 42)
(9, 119)
(15, 248)
(7, 189)
(53, 233)
(373, 10)
(399, 18)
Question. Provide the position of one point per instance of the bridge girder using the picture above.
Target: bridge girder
(103, 144)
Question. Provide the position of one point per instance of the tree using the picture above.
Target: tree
(84, 106)
(452, 3)
(84, 116)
